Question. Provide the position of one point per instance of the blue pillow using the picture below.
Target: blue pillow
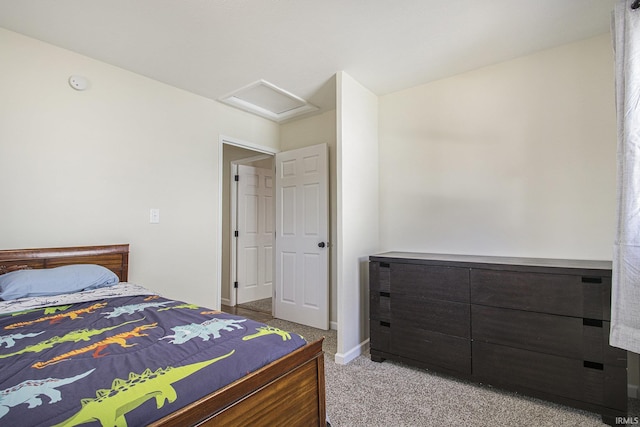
(55, 281)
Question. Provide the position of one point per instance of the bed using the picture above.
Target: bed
(122, 355)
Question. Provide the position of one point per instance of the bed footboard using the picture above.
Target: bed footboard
(289, 391)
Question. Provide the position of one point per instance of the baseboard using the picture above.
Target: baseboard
(333, 325)
(344, 358)
(225, 301)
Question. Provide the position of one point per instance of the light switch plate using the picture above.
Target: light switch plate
(154, 216)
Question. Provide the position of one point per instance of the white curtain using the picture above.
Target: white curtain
(625, 301)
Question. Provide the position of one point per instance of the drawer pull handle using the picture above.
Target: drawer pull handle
(385, 294)
(592, 322)
(586, 279)
(385, 324)
(384, 264)
(593, 365)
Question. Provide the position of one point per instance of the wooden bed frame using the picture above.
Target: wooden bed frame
(289, 391)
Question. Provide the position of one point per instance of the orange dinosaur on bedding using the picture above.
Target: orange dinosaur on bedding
(98, 347)
(58, 317)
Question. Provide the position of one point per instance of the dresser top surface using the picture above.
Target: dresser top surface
(419, 257)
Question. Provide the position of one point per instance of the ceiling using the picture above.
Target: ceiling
(213, 47)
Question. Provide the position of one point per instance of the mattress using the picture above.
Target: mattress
(122, 356)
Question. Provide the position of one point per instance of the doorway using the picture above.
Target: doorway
(252, 236)
(233, 154)
(300, 258)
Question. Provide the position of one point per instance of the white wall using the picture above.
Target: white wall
(514, 159)
(83, 168)
(304, 132)
(357, 211)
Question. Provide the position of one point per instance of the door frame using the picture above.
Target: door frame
(259, 149)
(233, 206)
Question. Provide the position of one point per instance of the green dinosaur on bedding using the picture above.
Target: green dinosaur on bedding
(184, 305)
(268, 330)
(110, 406)
(73, 336)
(45, 310)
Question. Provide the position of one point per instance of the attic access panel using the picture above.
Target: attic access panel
(268, 101)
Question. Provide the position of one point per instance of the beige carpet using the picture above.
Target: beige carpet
(261, 305)
(369, 394)
(310, 334)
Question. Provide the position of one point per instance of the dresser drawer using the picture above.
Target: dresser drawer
(546, 333)
(379, 298)
(445, 317)
(380, 306)
(431, 348)
(421, 282)
(584, 339)
(379, 276)
(568, 295)
(548, 374)
(380, 336)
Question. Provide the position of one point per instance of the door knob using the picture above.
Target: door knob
(321, 245)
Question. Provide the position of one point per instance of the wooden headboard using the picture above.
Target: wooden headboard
(114, 257)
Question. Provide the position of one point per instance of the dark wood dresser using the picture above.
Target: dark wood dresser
(536, 326)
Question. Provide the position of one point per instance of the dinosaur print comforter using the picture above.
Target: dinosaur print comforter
(124, 360)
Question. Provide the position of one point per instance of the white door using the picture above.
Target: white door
(254, 242)
(302, 254)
